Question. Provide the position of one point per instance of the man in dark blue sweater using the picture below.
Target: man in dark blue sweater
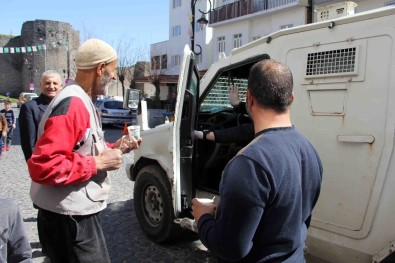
(269, 189)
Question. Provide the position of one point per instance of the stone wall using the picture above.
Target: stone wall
(19, 70)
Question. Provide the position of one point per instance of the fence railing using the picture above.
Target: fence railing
(245, 7)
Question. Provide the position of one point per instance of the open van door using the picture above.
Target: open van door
(162, 168)
(183, 132)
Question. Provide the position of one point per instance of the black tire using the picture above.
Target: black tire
(153, 204)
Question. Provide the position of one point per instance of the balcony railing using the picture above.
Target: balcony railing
(245, 7)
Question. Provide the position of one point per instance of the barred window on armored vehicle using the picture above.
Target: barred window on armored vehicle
(340, 61)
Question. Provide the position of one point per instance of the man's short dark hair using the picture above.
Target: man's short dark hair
(271, 84)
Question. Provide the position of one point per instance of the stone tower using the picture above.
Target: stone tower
(46, 45)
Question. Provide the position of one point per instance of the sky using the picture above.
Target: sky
(143, 22)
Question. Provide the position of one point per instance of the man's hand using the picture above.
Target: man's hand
(199, 209)
(4, 133)
(234, 96)
(198, 134)
(110, 159)
(126, 145)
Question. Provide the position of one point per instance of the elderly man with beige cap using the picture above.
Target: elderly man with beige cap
(69, 165)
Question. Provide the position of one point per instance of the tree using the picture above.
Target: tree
(153, 72)
(129, 53)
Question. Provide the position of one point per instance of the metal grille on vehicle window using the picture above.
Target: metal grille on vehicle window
(219, 94)
(331, 62)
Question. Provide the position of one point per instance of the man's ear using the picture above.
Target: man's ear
(292, 97)
(250, 99)
(99, 68)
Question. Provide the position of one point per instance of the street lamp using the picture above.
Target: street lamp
(202, 21)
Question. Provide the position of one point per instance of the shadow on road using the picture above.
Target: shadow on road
(127, 243)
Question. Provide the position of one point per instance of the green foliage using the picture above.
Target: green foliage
(6, 36)
(2, 98)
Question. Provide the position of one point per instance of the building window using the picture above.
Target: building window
(255, 38)
(176, 31)
(155, 62)
(389, 3)
(176, 3)
(237, 40)
(221, 44)
(286, 26)
(163, 62)
(175, 60)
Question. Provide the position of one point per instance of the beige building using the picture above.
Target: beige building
(231, 24)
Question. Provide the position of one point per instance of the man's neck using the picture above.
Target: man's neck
(85, 83)
(267, 118)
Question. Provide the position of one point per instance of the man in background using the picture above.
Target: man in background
(30, 116)
(31, 112)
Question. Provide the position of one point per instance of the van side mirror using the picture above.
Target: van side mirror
(131, 99)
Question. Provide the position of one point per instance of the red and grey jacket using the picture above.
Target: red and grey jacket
(62, 166)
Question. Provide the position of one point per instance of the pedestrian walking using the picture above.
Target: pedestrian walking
(11, 121)
(70, 161)
(269, 189)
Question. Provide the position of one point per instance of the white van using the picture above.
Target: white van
(344, 104)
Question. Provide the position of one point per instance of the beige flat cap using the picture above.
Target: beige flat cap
(93, 52)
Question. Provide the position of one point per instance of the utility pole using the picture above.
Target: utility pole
(68, 57)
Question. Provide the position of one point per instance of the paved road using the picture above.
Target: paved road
(125, 240)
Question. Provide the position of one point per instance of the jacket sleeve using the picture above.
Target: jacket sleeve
(18, 245)
(13, 117)
(241, 108)
(230, 234)
(4, 121)
(242, 134)
(53, 160)
(28, 130)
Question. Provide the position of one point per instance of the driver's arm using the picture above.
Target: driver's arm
(242, 134)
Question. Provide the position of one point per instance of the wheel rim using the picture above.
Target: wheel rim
(153, 205)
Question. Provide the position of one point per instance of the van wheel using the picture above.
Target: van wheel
(153, 204)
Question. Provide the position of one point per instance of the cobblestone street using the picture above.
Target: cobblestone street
(125, 240)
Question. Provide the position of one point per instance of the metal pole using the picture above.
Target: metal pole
(68, 56)
(193, 3)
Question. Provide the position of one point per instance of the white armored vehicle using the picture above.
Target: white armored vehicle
(344, 104)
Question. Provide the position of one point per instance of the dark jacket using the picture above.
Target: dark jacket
(29, 119)
(241, 134)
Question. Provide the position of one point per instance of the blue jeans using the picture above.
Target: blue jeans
(6, 140)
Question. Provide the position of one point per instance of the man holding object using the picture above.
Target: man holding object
(70, 161)
(269, 189)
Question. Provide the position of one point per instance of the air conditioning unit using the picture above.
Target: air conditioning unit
(335, 10)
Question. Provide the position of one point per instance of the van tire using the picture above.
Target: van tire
(153, 204)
